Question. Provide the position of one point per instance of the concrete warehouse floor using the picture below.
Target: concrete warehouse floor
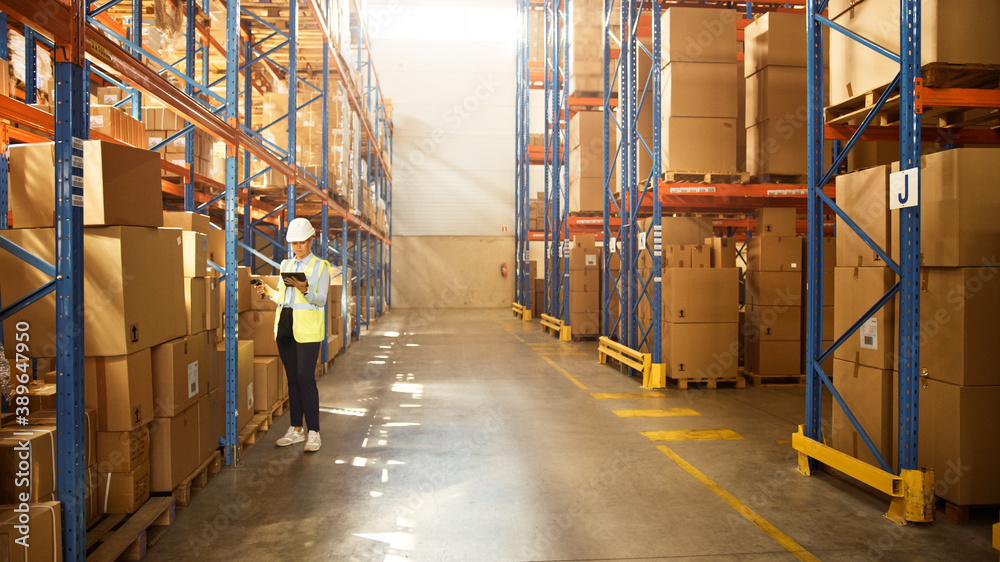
(469, 435)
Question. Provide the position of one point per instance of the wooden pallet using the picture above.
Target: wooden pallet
(962, 514)
(197, 479)
(706, 177)
(775, 380)
(121, 537)
(784, 179)
(707, 383)
(248, 437)
(274, 411)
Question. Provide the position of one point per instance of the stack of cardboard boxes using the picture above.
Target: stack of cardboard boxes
(536, 213)
(586, 167)
(643, 123)
(162, 123)
(773, 331)
(585, 286)
(113, 122)
(586, 59)
(134, 290)
(776, 92)
(959, 315)
(699, 86)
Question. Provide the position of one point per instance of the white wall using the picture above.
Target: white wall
(453, 98)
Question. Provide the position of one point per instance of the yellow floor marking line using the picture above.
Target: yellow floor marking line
(784, 540)
(563, 371)
(509, 331)
(562, 353)
(662, 413)
(692, 435)
(785, 442)
(626, 395)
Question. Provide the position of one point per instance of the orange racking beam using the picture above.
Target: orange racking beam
(929, 134)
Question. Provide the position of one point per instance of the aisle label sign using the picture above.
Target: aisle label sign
(642, 240)
(904, 189)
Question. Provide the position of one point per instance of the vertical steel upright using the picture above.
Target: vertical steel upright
(70, 131)
(556, 156)
(231, 327)
(325, 178)
(613, 328)
(293, 86)
(189, 63)
(627, 114)
(522, 280)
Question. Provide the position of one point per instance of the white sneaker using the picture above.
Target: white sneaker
(291, 437)
(313, 442)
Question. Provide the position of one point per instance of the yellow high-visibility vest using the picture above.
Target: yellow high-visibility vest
(308, 321)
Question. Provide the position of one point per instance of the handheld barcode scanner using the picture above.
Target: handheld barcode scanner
(257, 283)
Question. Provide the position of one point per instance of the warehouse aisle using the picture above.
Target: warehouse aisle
(469, 435)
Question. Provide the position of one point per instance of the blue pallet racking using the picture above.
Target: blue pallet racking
(111, 34)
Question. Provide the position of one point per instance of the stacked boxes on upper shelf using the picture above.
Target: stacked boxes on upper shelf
(586, 167)
(776, 92)
(699, 90)
(134, 292)
(586, 59)
(585, 286)
(773, 331)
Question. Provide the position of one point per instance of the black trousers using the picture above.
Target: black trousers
(299, 360)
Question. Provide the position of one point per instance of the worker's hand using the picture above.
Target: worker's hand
(264, 289)
(302, 286)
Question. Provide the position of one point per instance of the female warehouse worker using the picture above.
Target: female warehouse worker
(300, 327)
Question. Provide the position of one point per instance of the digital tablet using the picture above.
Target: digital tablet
(297, 275)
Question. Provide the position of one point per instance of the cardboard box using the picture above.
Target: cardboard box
(723, 252)
(42, 479)
(701, 350)
(699, 144)
(774, 221)
(195, 307)
(173, 449)
(699, 89)
(93, 506)
(244, 384)
(120, 389)
(774, 323)
(45, 524)
(586, 125)
(773, 358)
(776, 92)
(958, 426)
(123, 492)
(213, 307)
(958, 225)
(959, 317)
(586, 194)
(41, 396)
(776, 253)
(585, 280)
(873, 345)
(870, 395)
(700, 295)
(195, 247)
(133, 289)
(265, 382)
(261, 302)
(777, 39)
(182, 371)
(585, 323)
(258, 325)
(207, 442)
(186, 220)
(216, 249)
(50, 418)
(698, 34)
(773, 288)
(122, 451)
(864, 196)
(586, 302)
(685, 230)
(948, 34)
(216, 426)
(121, 185)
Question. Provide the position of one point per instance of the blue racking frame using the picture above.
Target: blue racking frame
(69, 26)
(522, 104)
(911, 488)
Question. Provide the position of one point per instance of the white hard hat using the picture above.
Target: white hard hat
(300, 230)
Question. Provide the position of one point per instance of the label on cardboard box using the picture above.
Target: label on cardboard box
(591, 260)
(192, 379)
(869, 334)
(250, 396)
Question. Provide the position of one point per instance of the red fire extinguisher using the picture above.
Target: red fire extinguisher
(503, 270)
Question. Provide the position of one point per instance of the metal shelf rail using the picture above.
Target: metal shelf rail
(87, 43)
(556, 231)
(910, 487)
